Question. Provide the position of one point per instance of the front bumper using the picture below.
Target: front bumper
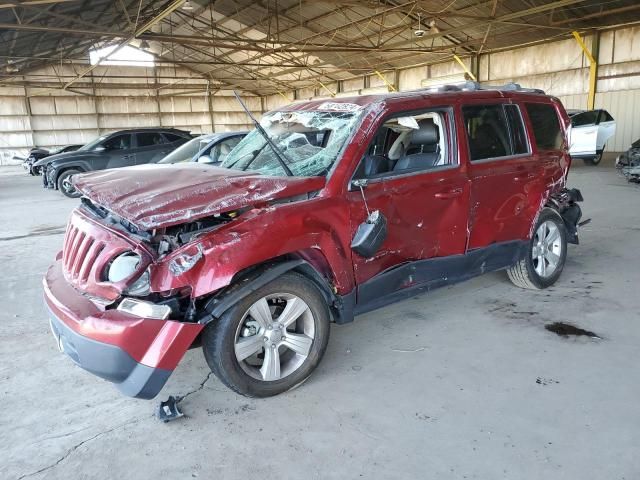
(136, 354)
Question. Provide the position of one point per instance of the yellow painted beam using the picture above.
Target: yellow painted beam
(326, 88)
(462, 64)
(390, 86)
(593, 71)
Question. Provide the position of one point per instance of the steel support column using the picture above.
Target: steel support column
(593, 65)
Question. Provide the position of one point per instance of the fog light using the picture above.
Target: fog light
(140, 308)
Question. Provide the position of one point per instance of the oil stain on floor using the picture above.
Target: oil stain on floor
(567, 330)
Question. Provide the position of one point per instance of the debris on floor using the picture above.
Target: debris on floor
(168, 410)
(629, 162)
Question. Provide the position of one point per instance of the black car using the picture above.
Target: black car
(119, 149)
(37, 153)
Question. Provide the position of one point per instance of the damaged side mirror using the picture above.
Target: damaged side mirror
(370, 235)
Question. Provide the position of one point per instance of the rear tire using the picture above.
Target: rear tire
(271, 340)
(546, 254)
(65, 186)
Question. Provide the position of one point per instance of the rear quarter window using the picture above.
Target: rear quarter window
(545, 125)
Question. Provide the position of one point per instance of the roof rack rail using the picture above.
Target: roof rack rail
(472, 86)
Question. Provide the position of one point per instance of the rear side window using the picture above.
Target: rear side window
(149, 139)
(487, 131)
(172, 137)
(546, 126)
(605, 116)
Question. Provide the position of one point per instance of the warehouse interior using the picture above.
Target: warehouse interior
(467, 381)
(276, 53)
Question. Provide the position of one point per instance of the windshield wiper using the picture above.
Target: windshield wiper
(279, 155)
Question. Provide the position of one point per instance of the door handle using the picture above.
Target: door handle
(454, 192)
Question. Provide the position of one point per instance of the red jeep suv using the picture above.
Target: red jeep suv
(328, 209)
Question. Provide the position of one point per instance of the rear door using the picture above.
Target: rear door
(150, 147)
(423, 192)
(501, 169)
(584, 133)
(118, 151)
(606, 129)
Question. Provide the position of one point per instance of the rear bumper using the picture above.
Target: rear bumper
(136, 354)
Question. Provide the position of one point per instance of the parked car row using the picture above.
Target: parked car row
(36, 154)
(131, 147)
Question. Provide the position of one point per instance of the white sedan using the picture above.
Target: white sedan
(590, 131)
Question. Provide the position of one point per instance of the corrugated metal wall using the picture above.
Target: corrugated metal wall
(30, 117)
(560, 68)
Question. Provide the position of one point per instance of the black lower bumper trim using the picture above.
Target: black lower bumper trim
(109, 362)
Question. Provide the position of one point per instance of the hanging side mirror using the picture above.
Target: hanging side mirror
(205, 159)
(370, 235)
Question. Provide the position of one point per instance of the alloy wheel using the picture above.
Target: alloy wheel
(274, 337)
(547, 249)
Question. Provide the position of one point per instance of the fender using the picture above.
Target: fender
(259, 277)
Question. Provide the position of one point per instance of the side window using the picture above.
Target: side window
(585, 118)
(546, 126)
(222, 149)
(407, 143)
(172, 137)
(119, 142)
(487, 131)
(605, 116)
(149, 139)
(518, 136)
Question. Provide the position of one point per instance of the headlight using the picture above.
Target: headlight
(123, 266)
(141, 287)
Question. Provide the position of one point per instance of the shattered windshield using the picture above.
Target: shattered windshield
(310, 142)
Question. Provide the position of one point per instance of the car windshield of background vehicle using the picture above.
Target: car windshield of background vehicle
(310, 141)
(186, 152)
(546, 126)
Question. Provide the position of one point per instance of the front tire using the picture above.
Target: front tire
(271, 340)
(546, 254)
(65, 186)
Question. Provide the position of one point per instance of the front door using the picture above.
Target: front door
(414, 179)
(118, 150)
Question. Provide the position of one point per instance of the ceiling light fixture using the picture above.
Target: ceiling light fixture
(144, 45)
(187, 5)
(419, 32)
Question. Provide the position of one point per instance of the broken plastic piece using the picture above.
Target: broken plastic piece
(168, 410)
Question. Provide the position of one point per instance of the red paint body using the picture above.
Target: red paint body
(434, 213)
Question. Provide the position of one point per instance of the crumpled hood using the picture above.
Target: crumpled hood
(156, 196)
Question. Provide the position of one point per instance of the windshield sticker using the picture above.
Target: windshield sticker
(339, 107)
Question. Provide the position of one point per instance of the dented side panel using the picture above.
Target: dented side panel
(313, 229)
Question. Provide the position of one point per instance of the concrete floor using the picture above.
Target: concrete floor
(464, 382)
